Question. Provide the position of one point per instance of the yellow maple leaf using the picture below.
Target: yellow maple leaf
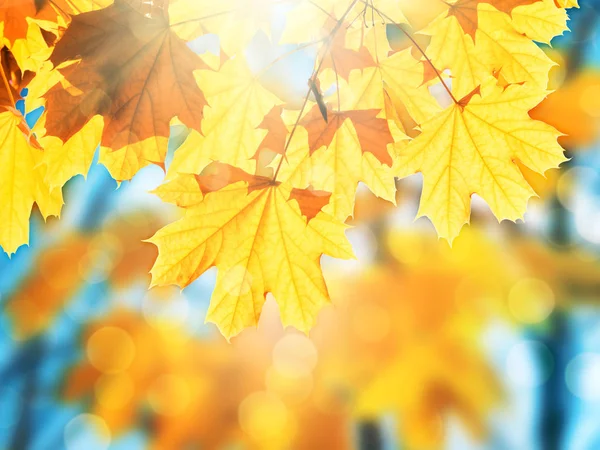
(181, 191)
(257, 234)
(62, 160)
(568, 3)
(23, 183)
(79, 6)
(473, 148)
(236, 22)
(338, 168)
(540, 21)
(400, 76)
(230, 132)
(450, 48)
(499, 43)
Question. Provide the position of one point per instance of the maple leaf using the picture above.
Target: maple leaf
(22, 182)
(136, 87)
(23, 176)
(343, 60)
(540, 21)
(400, 76)
(466, 11)
(181, 191)
(232, 127)
(236, 22)
(501, 46)
(64, 160)
(122, 74)
(472, 147)
(340, 154)
(337, 164)
(22, 27)
(73, 7)
(568, 3)
(254, 232)
(277, 132)
(14, 15)
(373, 134)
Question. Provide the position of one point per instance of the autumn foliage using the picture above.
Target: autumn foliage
(266, 178)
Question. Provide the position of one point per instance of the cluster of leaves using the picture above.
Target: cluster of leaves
(267, 183)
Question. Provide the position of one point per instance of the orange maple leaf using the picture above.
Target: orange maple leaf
(311, 201)
(343, 60)
(14, 15)
(126, 74)
(277, 132)
(373, 133)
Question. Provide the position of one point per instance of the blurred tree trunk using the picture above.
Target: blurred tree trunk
(553, 402)
(369, 436)
(29, 360)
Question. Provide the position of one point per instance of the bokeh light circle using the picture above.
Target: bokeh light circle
(110, 350)
(292, 386)
(531, 300)
(264, 417)
(87, 432)
(114, 391)
(166, 312)
(170, 395)
(582, 376)
(294, 352)
(569, 181)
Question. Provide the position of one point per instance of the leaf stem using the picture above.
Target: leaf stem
(327, 47)
(420, 49)
(337, 82)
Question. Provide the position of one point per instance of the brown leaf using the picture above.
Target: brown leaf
(373, 133)
(217, 175)
(463, 102)
(311, 201)
(277, 132)
(343, 60)
(127, 74)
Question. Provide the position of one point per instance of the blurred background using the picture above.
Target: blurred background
(493, 344)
